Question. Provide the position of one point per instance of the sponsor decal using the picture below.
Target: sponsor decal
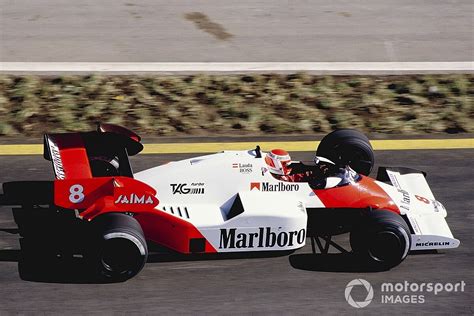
(432, 243)
(184, 188)
(243, 167)
(274, 187)
(405, 201)
(57, 162)
(264, 237)
(264, 170)
(255, 185)
(134, 199)
(394, 180)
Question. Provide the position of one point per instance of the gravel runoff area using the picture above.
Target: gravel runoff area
(238, 104)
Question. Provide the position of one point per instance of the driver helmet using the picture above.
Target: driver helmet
(278, 161)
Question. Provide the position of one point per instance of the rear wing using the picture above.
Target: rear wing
(89, 154)
(425, 214)
(93, 175)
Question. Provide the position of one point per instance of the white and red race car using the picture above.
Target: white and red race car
(223, 202)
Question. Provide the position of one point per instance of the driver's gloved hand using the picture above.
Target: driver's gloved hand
(324, 168)
(317, 183)
(297, 167)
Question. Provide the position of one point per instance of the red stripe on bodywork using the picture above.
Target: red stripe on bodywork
(170, 231)
(362, 194)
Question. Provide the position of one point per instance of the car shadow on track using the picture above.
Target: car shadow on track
(332, 262)
(338, 262)
(76, 271)
(50, 270)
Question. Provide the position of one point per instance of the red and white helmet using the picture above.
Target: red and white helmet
(278, 161)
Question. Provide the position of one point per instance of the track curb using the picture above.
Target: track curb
(205, 147)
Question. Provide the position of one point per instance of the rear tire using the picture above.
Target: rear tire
(382, 239)
(120, 250)
(348, 147)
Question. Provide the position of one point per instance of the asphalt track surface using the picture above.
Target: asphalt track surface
(236, 31)
(299, 284)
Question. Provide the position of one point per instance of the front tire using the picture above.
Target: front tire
(382, 239)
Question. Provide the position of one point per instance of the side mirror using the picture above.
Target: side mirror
(112, 128)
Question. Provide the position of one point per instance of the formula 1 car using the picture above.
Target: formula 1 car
(219, 203)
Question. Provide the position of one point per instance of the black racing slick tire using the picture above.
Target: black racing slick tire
(382, 240)
(348, 147)
(119, 250)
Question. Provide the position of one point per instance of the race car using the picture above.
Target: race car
(226, 202)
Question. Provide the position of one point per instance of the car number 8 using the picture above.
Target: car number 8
(77, 195)
(422, 199)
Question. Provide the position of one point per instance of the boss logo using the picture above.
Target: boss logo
(243, 167)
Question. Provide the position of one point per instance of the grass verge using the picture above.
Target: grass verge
(238, 104)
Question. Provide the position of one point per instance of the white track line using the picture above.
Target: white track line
(130, 67)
